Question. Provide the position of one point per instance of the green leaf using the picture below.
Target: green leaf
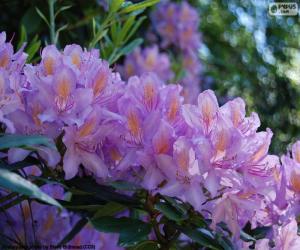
(126, 27)
(138, 6)
(99, 35)
(137, 24)
(20, 141)
(115, 5)
(75, 230)
(108, 209)
(125, 185)
(33, 48)
(31, 20)
(102, 192)
(89, 208)
(58, 31)
(125, 50)
(179, 205)
(61, 9)
(16, 183)
(225, 242)
(23, 37)
(131, 231)
(246, 237)
(42, 16)
(170, 212)
(28, 161)
(201, 236)
(147, 245)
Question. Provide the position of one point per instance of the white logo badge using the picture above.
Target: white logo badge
(283, 9)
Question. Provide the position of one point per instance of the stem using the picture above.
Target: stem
(149, 207)
(52, 21)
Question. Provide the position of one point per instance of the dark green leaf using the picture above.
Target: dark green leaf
(131, 231)
(102, 192)
(75, 230)
(29, 161)
(126, 50)
(147, 245)
(201, 236)
(170, 212)
(42, 16)
(225, 242)
(18, 184)
(260, 232)
(19, 141)
(124, 185)
(108, 209)
(23, 36)
(246, 237)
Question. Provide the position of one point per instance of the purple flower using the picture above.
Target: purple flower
(34, 223)
(148, 60)
(285, 237)
(102, 241)
(82, 144)
(177, 24)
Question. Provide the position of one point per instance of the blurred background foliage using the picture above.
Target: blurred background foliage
(245, 51)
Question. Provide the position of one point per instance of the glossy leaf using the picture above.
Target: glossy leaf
(124, 185)
(170, 212)
(131, 231)
(20, 141)
(16, 183)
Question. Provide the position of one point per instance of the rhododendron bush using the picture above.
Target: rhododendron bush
(135, 156)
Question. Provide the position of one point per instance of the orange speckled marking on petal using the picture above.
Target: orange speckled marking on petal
(76, 59)
(115, 155)
(183, 160)
(87, 128)
(207, 110)
(236, 116)
(26, 211)
(150, 60)
(169, 29)
(149, 94)
(129, 69)
(49, 65)
(245, 195)
(36, 110)
(173, 109)
(222, 141)
(260, 152)
(185, 14)
(276, 175)
(295, 181)
(49, 223)
(4, 60)
(64, 87)
(100, 83)
(162, 147)
(297, 154)
(133, 124)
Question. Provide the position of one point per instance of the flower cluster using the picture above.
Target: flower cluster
(142, 131)
(148, 60)
(177, 26)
